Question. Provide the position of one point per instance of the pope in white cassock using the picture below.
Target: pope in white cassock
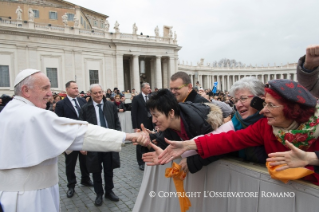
(32, 139)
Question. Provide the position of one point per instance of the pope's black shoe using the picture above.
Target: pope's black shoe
(87, 183)
(98, 200)
(70, 192)
(110, 195)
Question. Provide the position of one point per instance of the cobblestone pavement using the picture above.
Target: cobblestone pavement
(127, 181)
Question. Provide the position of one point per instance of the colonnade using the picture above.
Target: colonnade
(225, 81)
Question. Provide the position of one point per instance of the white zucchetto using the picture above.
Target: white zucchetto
(24, 74)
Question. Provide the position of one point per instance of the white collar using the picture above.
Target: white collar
(70, 98)
(20, 98)
(95, 104)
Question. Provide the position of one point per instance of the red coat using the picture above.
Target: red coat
(256, 134)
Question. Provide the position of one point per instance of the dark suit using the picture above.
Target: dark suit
(65, 108)
(140, 114)
(110, 160)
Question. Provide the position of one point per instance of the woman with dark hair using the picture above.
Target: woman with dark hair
(291, 113)
(108, 93)
(119, 104)
(179, 121)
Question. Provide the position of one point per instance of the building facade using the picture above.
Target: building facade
(69, 42)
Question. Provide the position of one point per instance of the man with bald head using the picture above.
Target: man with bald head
(31, 140)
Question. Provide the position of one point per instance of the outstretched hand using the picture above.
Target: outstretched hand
(312, 57)
(292, 159)
(172, 151)
(142, 140)
(151, 158)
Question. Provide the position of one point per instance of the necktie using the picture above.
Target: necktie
(77, 106)
(146, 98)
(102, 120)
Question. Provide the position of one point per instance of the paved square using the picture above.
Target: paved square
(127, 181)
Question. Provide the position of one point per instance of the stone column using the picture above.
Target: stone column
(176, 66)
(120, 71)
(171, 66)
(153, 73)
(166, 76)
(158, 71)
(192, 81)
(136, 74)
(295, 77)
(228, 86)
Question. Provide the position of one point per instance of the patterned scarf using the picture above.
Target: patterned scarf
(303, 136)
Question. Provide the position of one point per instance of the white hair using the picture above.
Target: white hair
(255, 86)
(95, 85)
(29, 81)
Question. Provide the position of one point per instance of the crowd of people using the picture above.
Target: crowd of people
(274, 123)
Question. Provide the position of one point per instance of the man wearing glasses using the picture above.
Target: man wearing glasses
(182, 88)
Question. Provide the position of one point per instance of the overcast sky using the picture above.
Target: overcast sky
(249, 31)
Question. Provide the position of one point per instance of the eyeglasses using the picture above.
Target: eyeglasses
(270, 106)
(178, 88)
(242, 99)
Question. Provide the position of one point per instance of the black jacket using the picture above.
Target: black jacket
(193, 116)
(65, 108)
(121, 106)
(110, 112)
(194, 97)
(140, 114)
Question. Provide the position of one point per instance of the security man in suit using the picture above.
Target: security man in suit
(70, 107)
(101, 112)
(140, 114)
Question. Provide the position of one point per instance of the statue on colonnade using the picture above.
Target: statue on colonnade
(156, 31)
(106, 25)
(170, 34)
(19, 13)
(31, 15)
(116, 27)
(65, 19)
(134, 29)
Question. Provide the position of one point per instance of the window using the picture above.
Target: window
(95, 23)
(36, 13)
(81, 20)
(52, 74)
(70, 17)
(4, 76)
(53, 15)
(102, 25)
(94, 77)
(84, 24)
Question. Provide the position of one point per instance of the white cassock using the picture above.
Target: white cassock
(31, 139)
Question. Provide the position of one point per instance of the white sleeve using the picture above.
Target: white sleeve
(98, 139)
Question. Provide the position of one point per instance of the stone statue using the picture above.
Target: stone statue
(116, 27)
(170, 34)
(65, 19)
(76, 22)
(175, 35)
(134, 29)
(156, 31)
(106, 25)
(19, 13)
(31, 15)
